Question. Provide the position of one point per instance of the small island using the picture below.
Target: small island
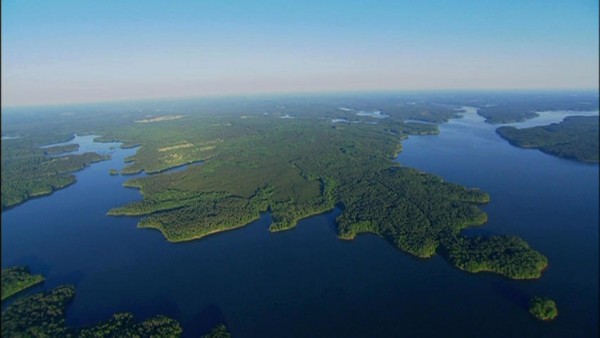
(113, 172)
(576, 138)
(543, 308)
(16, 279)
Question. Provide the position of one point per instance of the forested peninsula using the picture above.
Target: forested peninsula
(512, 107)
(16, 279)
(296, 158)
(298, 167)
(576, 138)
(29, 171)
(44, 314)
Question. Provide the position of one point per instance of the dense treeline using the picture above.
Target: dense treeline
(296, 168)
(16, 279)
(27, 171)
(507, 113)
(515, 107)
(123, 325)
(411, 209)
(28, 177)
(543, 308)
(57, 150)
(44, 315)
(576, 137)
(509, 256)
(39, 315)
(255, 160)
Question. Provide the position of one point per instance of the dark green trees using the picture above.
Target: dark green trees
(16, 279)
(577, 138)
(543, 308)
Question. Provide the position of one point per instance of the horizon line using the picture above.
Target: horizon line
(300, 93)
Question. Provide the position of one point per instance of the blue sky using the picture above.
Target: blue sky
(86, 51)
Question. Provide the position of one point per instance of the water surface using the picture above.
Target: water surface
(550, 202)
(306, 282)
(549, 117)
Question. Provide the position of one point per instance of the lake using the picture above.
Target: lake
(306, 282)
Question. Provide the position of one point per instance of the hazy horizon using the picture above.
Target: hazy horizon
(68, 52)
(289, 95)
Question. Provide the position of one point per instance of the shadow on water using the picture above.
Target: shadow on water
(35, 264)
(514, 295)
(332, 216)
(141, 313)
(74, 277)
(204, 321)
(168, 308)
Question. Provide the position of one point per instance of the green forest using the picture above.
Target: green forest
(57, 150)
(293, 158)
(16, 279)
(517, 107)
(28, 171)
(290, 157)
(543, 308)
(576, 137)
(44, 315)
(295, 168)
(509, 256)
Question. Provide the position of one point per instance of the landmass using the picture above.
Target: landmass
(113, 172)
(509, 256)
(27, 172)
(57, 150)
(576, 137)
(296, 168)
(543, 308)
(44, 315)
(506, 114)
(517, 107)
(16, 279)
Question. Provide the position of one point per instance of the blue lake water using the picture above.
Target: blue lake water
(548, 117)
(306, 282)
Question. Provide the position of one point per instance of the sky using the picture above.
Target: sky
(56, 52)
